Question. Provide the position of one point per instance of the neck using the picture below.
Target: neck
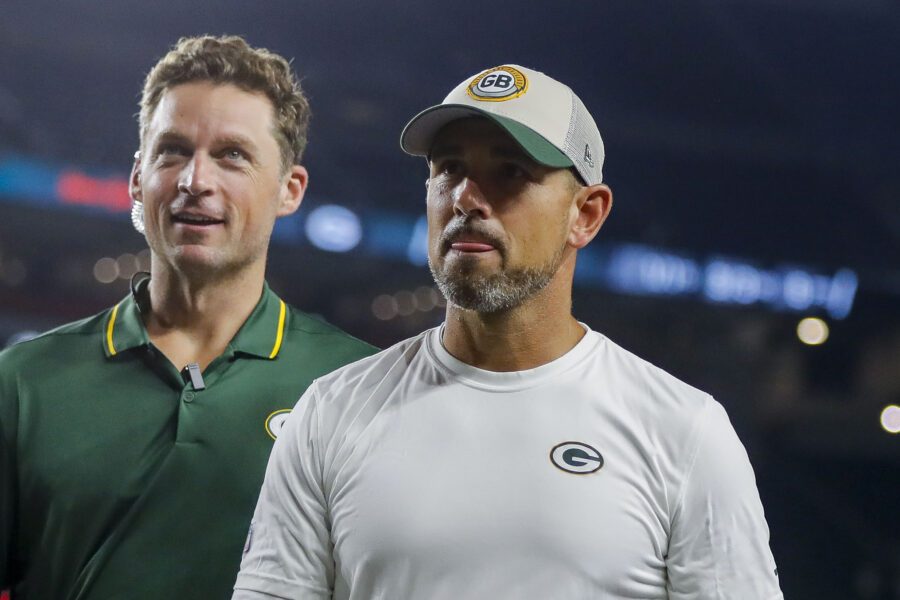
(193, 320)
(530, 335)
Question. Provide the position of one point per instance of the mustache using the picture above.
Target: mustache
(463, 227)
(199, 204)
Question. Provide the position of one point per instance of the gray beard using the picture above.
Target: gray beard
(494, 293)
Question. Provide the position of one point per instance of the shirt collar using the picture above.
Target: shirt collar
(260, 335)
(263, 331)
(123, 328)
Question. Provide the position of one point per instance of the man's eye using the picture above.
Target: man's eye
(171, 149)
(234, 154)
(449, 167)
(512, 170)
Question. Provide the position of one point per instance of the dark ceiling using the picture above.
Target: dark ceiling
(754, 128)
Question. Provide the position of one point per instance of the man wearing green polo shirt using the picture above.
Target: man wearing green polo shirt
(133, 443)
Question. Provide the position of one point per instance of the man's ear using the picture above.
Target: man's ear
(135, 190)
(591, 205)
(134, 182)
(292, 191)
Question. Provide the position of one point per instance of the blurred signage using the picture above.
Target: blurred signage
(624, 268)
(74, 187)
(33, 182)
(644, 270)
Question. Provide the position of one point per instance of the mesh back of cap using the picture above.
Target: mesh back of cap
(583, 144)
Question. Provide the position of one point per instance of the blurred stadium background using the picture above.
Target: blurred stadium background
(752, 146)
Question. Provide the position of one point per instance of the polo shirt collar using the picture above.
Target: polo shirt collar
(261, 334)
(123, 328)
(263, 331)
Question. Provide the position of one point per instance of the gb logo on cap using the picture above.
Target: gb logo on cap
(498, 85)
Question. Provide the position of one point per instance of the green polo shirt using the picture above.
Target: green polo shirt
(119, 479)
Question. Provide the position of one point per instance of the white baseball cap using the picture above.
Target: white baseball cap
(543, 115)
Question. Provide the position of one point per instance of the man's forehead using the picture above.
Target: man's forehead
(221, 111)
(206, 104)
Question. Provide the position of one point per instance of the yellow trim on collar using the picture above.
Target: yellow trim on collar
(109, 330)
(280, 335)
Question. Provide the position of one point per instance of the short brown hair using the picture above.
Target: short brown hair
(230, 59)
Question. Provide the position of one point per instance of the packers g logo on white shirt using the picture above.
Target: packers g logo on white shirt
(498, 85)
(576, 457)
(275, 421)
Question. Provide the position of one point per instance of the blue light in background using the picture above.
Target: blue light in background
(333, 228)
(387, 234)
(800, 289)
(417, 251)
(647, 271)
(735, 282)
(289, 229)
(28, 180)
(641, 270)
(840, 297)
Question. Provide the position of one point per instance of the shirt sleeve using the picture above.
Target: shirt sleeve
(288, 553)
(719, 541)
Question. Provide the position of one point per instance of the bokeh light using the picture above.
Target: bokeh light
(890, 418)
(106, 270)
(812, 331)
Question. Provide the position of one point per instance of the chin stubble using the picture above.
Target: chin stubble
(496, 292)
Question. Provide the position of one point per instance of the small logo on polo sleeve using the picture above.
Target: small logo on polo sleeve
(576, 457)
(275, 422)
(498, 85)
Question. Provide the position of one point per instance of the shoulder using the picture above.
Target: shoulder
(667, 414)
(302, 324)
(60, 340)
(657, 389)
(369, 378)
(673, 421)
(391, 362)
(346, 401)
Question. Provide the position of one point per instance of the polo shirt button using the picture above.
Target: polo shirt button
(188, 396)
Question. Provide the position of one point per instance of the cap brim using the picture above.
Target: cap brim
(418, 135)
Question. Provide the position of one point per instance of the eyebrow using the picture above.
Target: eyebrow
(170, 135)
(443, 150)
(234, 139)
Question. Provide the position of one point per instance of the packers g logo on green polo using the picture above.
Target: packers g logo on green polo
(275, 422)
(498, 85)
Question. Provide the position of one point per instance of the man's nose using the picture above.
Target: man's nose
(469, 199)
(196, 179)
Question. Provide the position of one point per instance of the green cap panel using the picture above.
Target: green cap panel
(533, 143)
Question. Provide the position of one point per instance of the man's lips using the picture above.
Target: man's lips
(471, 247)
(196, 220)
(465, 238)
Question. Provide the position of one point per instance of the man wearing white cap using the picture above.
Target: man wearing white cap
(511, 452)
